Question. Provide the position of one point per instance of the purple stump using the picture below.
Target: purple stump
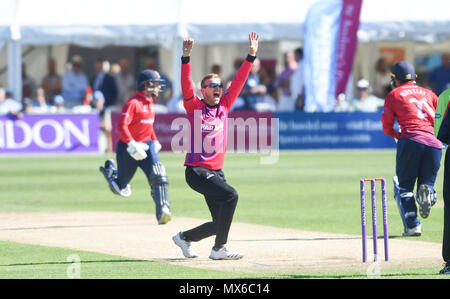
(385, 221)
(374, 219)
(363, 220)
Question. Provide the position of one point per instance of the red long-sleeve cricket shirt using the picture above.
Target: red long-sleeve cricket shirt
(137, 118)
(414, 107)
(209, 124)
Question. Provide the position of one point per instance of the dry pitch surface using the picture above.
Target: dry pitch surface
(270, 249)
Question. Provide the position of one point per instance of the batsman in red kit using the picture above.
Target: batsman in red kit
(138, 146)
(418, 150)
(204, 160)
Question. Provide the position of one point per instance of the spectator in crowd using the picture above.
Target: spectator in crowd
(58, 105)
(125, 82)
(283, 81)
(267, 77)
(74, 84)
(382, 83)
(440, 77)
(98, 102)
(342, 105)
(167, 92)
(254, 92)
(297, 84)
(51, 82)
(105, 139)
(86, 105)
(40, 104)
(365, 101)
(27, 105)
(9, 106)
(28, 85)
(105, 82)
(216, 69)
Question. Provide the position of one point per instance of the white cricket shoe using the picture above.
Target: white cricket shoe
(166, 216)
(126, 192)
(413, 232)
(185, 246)
(110, 173)
(224, 254)
(424, 199)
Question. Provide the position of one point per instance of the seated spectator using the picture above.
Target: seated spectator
(40, 104)
(51, 82)
(440, 77)
(86, 104)
(58, 105)
(27, 105)
(74, 84)
(9, 106)
(254, 92)
(365, 101)
(342, 105)
(267, 78)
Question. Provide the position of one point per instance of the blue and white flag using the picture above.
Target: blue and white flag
(329, 48)
(320, 45)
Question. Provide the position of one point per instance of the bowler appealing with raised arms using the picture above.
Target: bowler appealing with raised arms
(205, 159)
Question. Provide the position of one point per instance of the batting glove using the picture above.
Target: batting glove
(136, 150)
(158, 146)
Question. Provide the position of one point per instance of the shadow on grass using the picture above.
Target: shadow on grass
(56, 227)
(364, 276)
(297, 239)
(320, 239)
(81, 262)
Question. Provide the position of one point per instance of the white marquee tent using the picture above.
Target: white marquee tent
(98, 23)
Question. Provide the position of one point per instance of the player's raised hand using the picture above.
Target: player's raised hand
(253, 38)
(188, 44)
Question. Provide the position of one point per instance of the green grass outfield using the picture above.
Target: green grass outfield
(308, 190)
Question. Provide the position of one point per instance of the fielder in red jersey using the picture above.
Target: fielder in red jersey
(418, 150)
(138, 146)
(205, 159)
(136, 119)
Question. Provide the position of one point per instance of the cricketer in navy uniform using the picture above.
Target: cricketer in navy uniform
(418, 150)
(138, 146)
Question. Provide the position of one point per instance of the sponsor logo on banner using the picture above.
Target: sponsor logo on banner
(49, 133)
(332, 131)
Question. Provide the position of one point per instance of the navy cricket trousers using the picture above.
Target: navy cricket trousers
(415, 162)
(221, 199)
(127, 165)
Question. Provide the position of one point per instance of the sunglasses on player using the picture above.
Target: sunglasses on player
(214, 85)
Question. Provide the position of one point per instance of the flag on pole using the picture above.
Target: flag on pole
(329, 47)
